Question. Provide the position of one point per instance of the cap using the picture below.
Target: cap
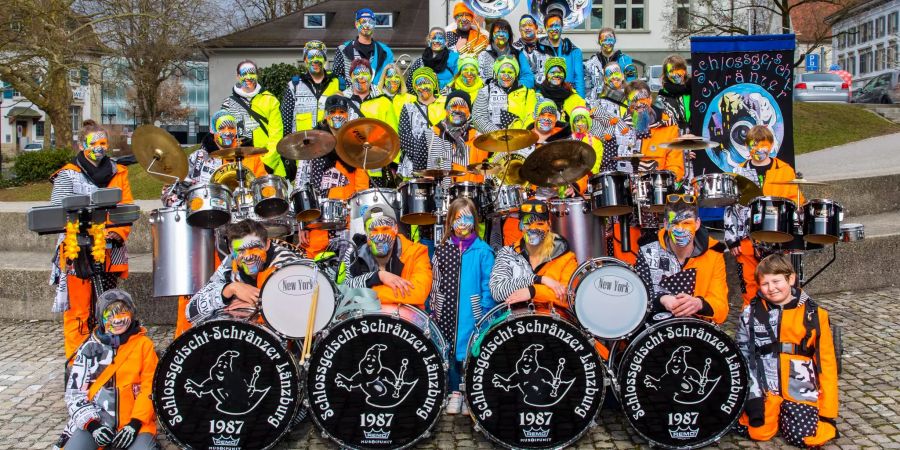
(506, 59)
(554, 61)
(461, 8)
(365, 13)
(379, 210)
(336, 101)
(459, 94)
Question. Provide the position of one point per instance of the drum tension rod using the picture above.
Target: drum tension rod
(833, 257)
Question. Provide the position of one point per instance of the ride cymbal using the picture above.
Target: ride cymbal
(438, 173)
(507, 140)
(306, 145)
(153, 145)
(747, 190)
(801, 182)
(558, 163)
(367, 143)
(237, 152)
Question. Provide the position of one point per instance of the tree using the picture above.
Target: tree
(274, 78)
(168, 103)
(244, 14)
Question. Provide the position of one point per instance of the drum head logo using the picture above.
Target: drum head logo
(691, 386)
(538, 385)
(234, 393)
(296, 285)
(383, 387)
(613, 285)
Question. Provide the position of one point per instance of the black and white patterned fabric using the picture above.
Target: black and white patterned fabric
(446, 264)
(491, 109)
(797, 421)
(414, 130)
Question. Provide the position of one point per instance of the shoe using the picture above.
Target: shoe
(464, 408)
(454, 404)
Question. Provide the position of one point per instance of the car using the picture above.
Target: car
(884, 88)
(653, 76)
(821, 87)
(33, 147)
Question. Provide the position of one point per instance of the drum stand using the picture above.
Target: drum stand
(797, 262)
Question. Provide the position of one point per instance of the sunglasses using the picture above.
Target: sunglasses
(685, 198)
(534, 208)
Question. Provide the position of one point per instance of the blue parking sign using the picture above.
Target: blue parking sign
(812, 62)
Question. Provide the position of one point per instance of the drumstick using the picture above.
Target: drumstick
(311, 318)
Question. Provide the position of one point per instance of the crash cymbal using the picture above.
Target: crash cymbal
(690, 142)
(509, 169)
(305, 145)
(505, 140)
(558, 163)
(482, 168)
(629, 157)
(153, 145)
(367, 143)
(237, 152)
(801, 182)
(747, 189)
(438, 173)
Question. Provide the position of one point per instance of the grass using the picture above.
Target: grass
(143, 187)
(822, 125)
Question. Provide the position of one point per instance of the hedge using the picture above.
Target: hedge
(39, 165)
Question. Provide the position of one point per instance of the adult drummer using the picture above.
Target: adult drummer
(367, 101)
(397, 269)
(236, 282)
(684, 265)
(503, 102)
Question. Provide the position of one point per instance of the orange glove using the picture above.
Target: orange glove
(825, 432)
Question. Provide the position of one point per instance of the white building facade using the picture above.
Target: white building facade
(866, 41)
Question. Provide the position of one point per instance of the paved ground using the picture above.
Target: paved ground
(32, 410)
(866, 158)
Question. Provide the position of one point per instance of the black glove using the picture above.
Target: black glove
(125, 437)
(102, 434)
(756, 411)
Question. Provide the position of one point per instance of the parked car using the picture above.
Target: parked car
(821, 87)
(884, 88)
(33, 147)
(654, 73)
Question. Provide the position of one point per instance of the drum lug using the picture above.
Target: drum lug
(322, 334)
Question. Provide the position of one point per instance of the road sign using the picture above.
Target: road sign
(812, 62)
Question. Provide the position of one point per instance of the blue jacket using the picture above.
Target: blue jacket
(574, 61)
(460, 294)
(444, 77)
(381, 57)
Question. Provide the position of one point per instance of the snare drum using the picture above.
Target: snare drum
(333, 217)
(417, 203)
(378, 379)
(305, 204)
(509, 199)
(183, 256)
(572, 219)
(682, 383)
(716, 189)
(226, 382)
(533, 378)
(287, 294)
(209, 205)
(362, 200)
(653, 187)
(851, 232)
(270, 196)
(822, 221)
(611, 194)
(609, 298)
(476, 192)
(772, 219)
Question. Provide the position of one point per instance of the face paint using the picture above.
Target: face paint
(464, 224)
(607, 42)
(580, 124)
(642, 115)
(681, 232)
(226, 136)
(381, 239)
(315, 60)
(469, 74)
(247, 78)
(535, 229)
(545, 121)
(528, 29)
(458, 112)
(116, 318)
(95, 145)
(437, 41)
(507, 75)
(392, 81)
(554, 28)
(424, 88)
(249, 253)
(556, 76)
(614, 78)
(677, 76)
(337, 117)
(361, 79)
(464, 22)
(501, 38)
(365, 27)
(759, 150)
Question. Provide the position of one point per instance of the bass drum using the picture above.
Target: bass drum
(571, 218)
(682, 383)
(609, 298)
(533, 379)
(378, 380)
(183, 256)
(287, 294)
(226, 383)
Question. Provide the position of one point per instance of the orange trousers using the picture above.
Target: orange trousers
(747, 264)
(182, 324)
(75, 319)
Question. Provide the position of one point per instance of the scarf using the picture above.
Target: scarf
(438, 62)
(248, 95)
(101, 174)
(558, 94)
(676, 90)
(117, 340)
(464, 243)
(456, 136)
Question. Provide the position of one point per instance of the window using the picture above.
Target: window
(39, 129)
(880, 58)
(75, 115)
(314, 20)
(879, 27)
(892, 22)
(851, 36)
(596, 16)
(865, 61)
(682, 14)
(851, 64)
(842, 62)
(629, 15)
(842, 40)
(384, 20)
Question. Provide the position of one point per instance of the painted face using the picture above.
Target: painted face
(677, 76)
(365, 26)
(95, 145)
(464, 224)
(116, 318)
(226, 135)
(760, 150)
(337, 117)
(607, 43)
(642, 115)
(437, 40)
(381, 239)
(546, 120)
(556, 76)
(464, 21)
(554, 28)
(315, 60)
(581, 124)
(247, 78)
(424, 88)
(469, 74)
(776, 288)
(528, 29)
(615, 79)
(362, 77)
(507, 75)
(501, 38)
(535, 229)
(458, 112)
(681, 228)
(392, 81)
(249, 253)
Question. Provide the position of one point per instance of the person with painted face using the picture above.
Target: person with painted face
(460, 292)
(235, 284)
(503, 102)
(393, 87)
(501, 33)
(608, 113)
(437, 57)
(556, 88)
(648, 119)
(767, 172)
(580, 122)
(554, 44)
(675, 93)
(108, 388)
(416, 121)
(258, 114)
(363, 47)
(527, 44)
(684, 266)
(467, 78)
(595, 66)
(397, 269)
(91, 169)
(365, 98)
(466, 38)
(305, 94)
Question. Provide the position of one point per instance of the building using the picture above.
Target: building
(808, 22)
(867, 39)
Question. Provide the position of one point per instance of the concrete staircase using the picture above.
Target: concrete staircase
(889, 111)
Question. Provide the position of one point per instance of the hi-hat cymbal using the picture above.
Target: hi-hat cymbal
(438, 173)
(153, 145)
(237, 152)
(558, 163)
(367, 143)
(629, 157)
(690, 142)
(305, 145)
(802, 182)
(508, 140)
(747, 190)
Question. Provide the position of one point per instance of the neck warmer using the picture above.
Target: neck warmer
(558, 94)
(101, 174)
(248, 95)
(463, 243)
(117, 340)
(437, 62)
(676, 90)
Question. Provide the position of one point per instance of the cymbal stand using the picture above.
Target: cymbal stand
(157, 155)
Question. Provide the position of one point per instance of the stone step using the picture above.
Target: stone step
(860, 196)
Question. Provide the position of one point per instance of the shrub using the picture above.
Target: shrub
(38, 166)
(274, 78)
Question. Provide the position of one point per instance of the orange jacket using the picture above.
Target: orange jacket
(560, 268)
(416, 270)
(359, 181)
(475, 156)
(780, 171)
(667, 159)
(793, 331)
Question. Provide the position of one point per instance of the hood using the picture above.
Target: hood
(110, 296)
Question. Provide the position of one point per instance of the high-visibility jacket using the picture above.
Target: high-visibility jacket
(301, 108)
(266, 105)
(399, 100)
(570, 103)
(496, 109)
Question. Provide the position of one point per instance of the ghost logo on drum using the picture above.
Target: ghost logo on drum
(692, 386)
(383, 387)
(539, 386)
(234, 394)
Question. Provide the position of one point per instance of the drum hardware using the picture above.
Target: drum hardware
(851, 232)
(313, 305)
(800, 181)
(505, 141)
(237, 153)
(153, 146)
(306, 145)
(367, 143)
(718, 189)
(558, 163)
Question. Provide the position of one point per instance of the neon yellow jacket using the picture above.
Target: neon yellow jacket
(401, 99)
(268, 106)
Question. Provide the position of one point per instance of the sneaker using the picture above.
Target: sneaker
(455, 403)
(464, 409)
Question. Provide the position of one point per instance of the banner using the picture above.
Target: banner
(739, 82)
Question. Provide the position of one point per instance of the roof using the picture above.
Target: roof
(852, 7)
(23, 112)
(340, 19)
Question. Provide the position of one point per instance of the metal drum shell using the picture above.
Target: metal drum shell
(772, 219)
(822, 221)
(611, 194)
(305, 204)
(716, 189)
(183, 255)
(851, 232)
(417, 202)
(209, 205)
(276, 227)
(571, 218)
(270, 196)
(477, 192)
(509, 198)
(653, 187)
(333, 217)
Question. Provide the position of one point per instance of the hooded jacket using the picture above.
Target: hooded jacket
(594, 76)
(513, 271)
(346, 53)
(496, 108)
(303, 101)
(409, 260)
(266, 132)
(574, 60)
(486, 62)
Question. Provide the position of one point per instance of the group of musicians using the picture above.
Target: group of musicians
(466, 83)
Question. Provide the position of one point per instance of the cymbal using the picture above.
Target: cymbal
(438, 173)
(236, 152)
(367, 143)
(629, 157)
(505, 140)
(153, 145)
(747, 190)
(305, 145)
(509, 169)
(802, 182)
(690, 142)
(558, 163)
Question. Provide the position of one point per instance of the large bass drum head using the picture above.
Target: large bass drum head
(683, 383)
(534, 381)
(226, 384)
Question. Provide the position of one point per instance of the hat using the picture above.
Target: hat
(427, 72)
(113, 295)
(535, 204)
(467, 61)
(365, 13)
(379, 211)
(554, 61)
(459, 94)
(506, 59)
(461, 8)
(360, 62)
(580, 111)
(336, 101)
(544, 103)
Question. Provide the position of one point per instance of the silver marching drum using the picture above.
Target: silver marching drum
(571, 218)
(333, 217)
(271, 196)
(183, 255)
(209, 205)
(716, 189)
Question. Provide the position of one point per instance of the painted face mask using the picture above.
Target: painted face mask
(607, 43)
(546, 120)
(464, 22)
(615, 79)
(554, 28)
(501, 39)
(759, 150)
(365, 27)
(437, 41)
(249, 253)
(315, 60)
(642, 115)
(464, 224)
(677, 76)
(361, 79)
(681, 231)
(226, 136)
(528, 29)
(381, 239)
(535, 229)
(556, 76)
(469, 73)
(424, 88)
(95, 145)
(337, 117)
(580, 125)
(247, 78)
(116, 318)
(392, 81)
(506, 75)
(458, 112)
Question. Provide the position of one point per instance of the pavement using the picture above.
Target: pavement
(32, 411)
(871, 157)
